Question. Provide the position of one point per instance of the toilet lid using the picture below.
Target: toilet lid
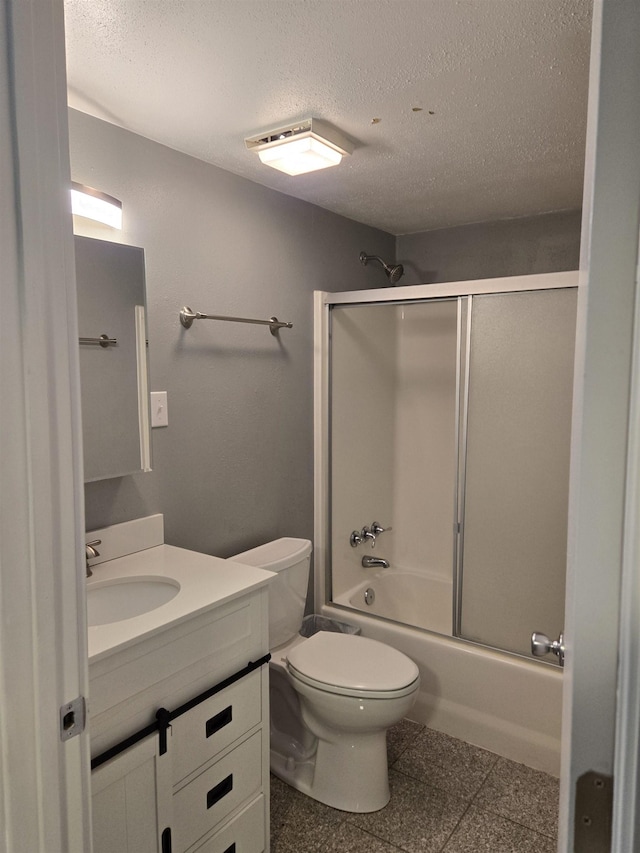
(350, 662)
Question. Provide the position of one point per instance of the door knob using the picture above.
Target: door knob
(541, 645)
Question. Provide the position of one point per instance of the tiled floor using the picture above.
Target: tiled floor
(446, 797)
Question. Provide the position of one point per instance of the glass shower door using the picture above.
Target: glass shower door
(515, 467)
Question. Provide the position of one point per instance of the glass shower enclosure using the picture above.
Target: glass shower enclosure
(448, 433)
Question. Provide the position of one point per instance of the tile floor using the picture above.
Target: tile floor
(446, 797)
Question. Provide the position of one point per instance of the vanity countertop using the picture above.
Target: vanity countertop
(205, 582)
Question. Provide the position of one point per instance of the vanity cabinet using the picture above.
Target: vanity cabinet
(199, 778)
(205, 791)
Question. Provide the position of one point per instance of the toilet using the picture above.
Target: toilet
(332, 696)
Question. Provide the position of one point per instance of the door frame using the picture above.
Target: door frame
(44, 781)
(601, 707)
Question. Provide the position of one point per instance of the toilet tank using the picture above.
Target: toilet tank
(290, 559)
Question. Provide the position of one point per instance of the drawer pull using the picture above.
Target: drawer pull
(166, 840)
(219, 721)
(219, 791)
(231, 849)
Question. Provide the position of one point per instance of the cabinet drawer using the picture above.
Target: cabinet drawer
(201, 733)
(211, 796)
(244, 834)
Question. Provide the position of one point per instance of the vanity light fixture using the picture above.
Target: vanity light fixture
(301, 147)
(93, 204)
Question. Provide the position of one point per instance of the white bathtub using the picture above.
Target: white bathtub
(412, 598)
(501, 702)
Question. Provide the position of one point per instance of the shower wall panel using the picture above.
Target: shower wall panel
(393, 447)
(363, 378)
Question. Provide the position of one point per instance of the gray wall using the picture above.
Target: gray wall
(534, 244)
(235, 465)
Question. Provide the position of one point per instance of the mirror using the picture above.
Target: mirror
(113, 358)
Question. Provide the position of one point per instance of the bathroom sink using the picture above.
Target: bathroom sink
(123, 598)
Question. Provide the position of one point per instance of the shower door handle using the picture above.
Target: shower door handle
(541, 645)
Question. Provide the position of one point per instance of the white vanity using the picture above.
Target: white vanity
(178, 705)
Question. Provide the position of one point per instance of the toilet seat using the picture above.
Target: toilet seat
(349, 665)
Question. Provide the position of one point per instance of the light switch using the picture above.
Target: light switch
(159, 412)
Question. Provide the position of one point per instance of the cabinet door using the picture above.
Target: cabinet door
(127, 800)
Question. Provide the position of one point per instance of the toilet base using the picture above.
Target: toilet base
(350, 774)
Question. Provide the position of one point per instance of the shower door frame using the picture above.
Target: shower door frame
(412, 294)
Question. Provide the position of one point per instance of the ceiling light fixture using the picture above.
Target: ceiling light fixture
(304, 146)
(96, 205)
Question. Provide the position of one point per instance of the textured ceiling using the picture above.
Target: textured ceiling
(501, 86)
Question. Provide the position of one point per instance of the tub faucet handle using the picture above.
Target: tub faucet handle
(377, 528)
(355, 539)
(368, 535)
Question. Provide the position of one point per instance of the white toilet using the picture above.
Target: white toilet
(332, 696)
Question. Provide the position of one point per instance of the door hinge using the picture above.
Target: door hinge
(593, 813)
(73, 717)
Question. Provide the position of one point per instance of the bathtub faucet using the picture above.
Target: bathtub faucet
(374, 563)
(367, 534)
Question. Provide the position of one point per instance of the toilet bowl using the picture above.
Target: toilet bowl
(332, 696)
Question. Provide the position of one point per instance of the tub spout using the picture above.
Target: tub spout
(374, 562)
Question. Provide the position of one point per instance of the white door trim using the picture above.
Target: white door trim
(605, 354)
(626, 832)
(44, 783)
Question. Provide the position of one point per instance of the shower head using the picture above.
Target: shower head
(394, 272)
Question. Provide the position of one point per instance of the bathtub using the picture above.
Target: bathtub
(413, 598)
(501, 702)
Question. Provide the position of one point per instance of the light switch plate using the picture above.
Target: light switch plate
(159, 412)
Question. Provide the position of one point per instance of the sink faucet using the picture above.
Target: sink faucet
(374, 562)
(90, 551)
